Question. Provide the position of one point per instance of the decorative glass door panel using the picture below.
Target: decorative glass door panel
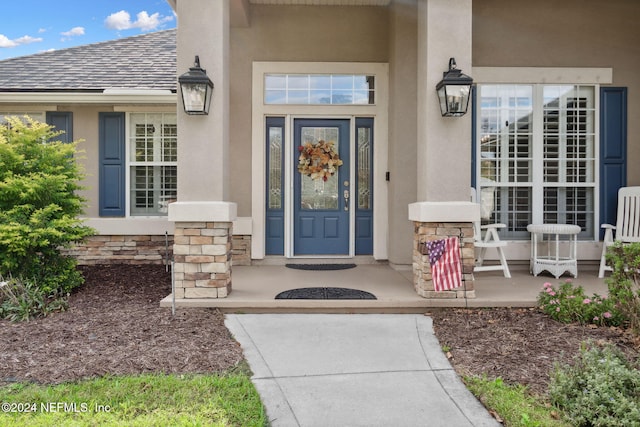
(321, 187)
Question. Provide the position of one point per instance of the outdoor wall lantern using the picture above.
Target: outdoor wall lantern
(196, 89)
(453, 91)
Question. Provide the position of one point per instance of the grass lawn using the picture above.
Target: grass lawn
(141, 400)
(515, 406)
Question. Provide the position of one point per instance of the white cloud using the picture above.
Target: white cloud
(145, 22)
(7, 42)
(75, 31)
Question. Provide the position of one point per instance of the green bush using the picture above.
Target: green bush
(39, 206)
(624, 284)
(21, 301)
(600, 389)
(568, 303)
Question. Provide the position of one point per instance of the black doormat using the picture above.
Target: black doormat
(320, 267)
(325, 293)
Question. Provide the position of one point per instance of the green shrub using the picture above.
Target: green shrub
(568, 303)
(20, 301)
(600, 389)
(39, 206)
(624, 289)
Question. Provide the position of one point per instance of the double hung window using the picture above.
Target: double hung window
(536, 156)
(153, 160)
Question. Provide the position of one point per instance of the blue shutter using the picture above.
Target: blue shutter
(61, 121)
(613, 150)
(112, 164)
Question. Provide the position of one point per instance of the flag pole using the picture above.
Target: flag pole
(464, 280)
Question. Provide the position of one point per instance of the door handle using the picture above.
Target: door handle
(346, 200)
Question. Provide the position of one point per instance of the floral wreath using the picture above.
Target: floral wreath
(319, 160)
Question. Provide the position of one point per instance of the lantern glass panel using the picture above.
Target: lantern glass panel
(194, 96)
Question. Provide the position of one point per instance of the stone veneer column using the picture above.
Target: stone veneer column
(202, 248)
(440, 220)
(202, 259)
(427, 231)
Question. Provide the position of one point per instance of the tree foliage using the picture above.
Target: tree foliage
(39, 205)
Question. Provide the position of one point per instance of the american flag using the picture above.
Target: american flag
(444, 257)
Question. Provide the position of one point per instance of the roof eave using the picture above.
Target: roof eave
(118, 96)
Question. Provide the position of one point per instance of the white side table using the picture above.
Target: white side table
(551, 260)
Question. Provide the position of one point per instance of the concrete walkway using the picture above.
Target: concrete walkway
(353, 370)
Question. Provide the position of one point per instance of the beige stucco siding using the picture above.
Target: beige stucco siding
(570, 33)
(85, 128)
(402, 128)
(293, 33)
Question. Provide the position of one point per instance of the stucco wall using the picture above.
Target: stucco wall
(293, 33)
(570, 33)
(85, 128)
(402, 128)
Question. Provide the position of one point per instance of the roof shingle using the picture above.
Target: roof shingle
(146, 61)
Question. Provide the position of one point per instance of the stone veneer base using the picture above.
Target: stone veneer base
(202, 259)
(427, 231)
(143, 249)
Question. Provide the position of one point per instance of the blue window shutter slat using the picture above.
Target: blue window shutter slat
(61, 121)
(613, 150)
(112, 164)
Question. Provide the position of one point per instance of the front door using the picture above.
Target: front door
(321, 187)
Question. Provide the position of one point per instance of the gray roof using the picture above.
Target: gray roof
(146, 61)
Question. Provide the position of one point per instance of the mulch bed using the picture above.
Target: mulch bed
(520, 345)
(114, 325)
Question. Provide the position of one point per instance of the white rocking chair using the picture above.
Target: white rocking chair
(490, 239)
(627, 228)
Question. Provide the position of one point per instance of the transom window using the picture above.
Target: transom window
(319, 89)
(537, 156)
(153, 160)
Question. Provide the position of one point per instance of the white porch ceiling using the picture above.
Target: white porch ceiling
(324, 2)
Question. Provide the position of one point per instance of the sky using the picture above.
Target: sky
(34, 26)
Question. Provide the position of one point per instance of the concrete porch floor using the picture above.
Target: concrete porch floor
(255, 288)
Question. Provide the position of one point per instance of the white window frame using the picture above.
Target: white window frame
(538, 78)
(130, 163)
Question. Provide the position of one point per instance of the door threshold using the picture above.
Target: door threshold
(281, 260)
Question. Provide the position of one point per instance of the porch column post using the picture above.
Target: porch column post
(203, 214)
(443, 143)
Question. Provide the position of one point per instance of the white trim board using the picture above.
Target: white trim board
(541, 75)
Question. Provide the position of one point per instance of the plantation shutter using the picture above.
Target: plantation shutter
(613, 150)
(112, 164)
(61, 121)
